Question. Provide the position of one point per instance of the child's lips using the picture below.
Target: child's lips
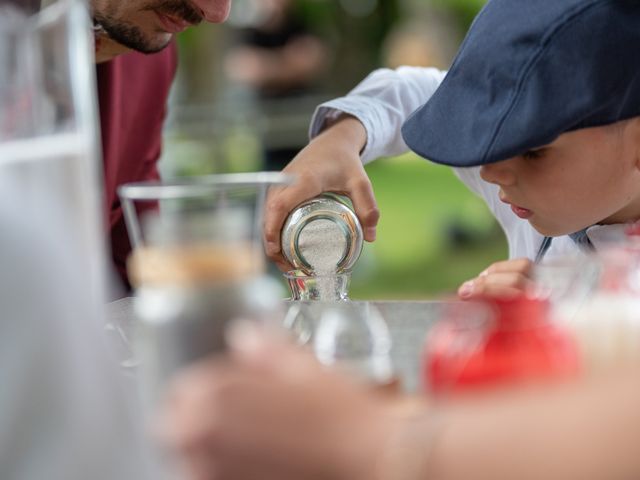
(521, 212)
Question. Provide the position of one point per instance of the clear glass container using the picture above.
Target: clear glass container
(326, 288)
(302, 315)
(300, 321)
(353, 337)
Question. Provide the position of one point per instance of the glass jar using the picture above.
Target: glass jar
(323, 236)
(353, 337)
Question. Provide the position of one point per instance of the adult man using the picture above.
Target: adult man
(136, 66)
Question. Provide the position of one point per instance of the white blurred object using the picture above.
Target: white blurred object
(598, 297)
(48, 125)
(607, 327)
(64, 413)
(567, 281)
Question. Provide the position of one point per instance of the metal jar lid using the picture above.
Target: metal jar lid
(313, 220)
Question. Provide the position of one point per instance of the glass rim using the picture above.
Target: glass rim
(193, 187)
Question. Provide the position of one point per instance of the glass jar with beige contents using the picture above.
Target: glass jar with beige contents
(197, 265)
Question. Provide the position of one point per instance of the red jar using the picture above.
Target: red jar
(497, 343)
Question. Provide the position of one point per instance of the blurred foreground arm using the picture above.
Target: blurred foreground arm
(347, 132)
(577, 432)
(272, 412)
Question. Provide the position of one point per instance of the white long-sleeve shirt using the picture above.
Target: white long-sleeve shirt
(386, 99)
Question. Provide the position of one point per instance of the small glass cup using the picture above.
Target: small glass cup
(325, 288)
(303, 316)
(354, 337)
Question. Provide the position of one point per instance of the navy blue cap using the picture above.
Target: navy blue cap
(528, 71)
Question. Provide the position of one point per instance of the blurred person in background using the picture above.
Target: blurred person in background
(136, 64)
(557, 179)
(281, 59)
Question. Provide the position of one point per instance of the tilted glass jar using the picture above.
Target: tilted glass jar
(323, 229)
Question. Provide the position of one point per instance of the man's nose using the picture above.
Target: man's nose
(499, 173)
(214, 11)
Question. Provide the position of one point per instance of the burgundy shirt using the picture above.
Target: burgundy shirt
(132, 92)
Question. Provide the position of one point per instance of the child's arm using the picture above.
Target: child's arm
(347, 132)
(382, 103)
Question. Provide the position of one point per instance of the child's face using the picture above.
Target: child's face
(585, 177)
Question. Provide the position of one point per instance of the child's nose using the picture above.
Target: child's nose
(499, 173)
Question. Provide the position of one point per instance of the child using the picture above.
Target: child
(539, 118)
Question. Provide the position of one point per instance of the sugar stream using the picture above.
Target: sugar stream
(323, 244)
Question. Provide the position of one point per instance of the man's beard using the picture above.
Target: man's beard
(133, 37)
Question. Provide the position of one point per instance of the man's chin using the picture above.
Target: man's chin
(135, 39)
(108, 49)
(159, 43)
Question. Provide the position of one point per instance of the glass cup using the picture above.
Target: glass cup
(326, 288)
(303, 315)
(353, 337)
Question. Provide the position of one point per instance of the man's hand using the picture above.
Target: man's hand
(509, 278)
(270, 411)
(330, 163)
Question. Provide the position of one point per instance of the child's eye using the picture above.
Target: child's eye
(532, 154)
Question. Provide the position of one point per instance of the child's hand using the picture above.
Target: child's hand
(502, 279)
(330, 163)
